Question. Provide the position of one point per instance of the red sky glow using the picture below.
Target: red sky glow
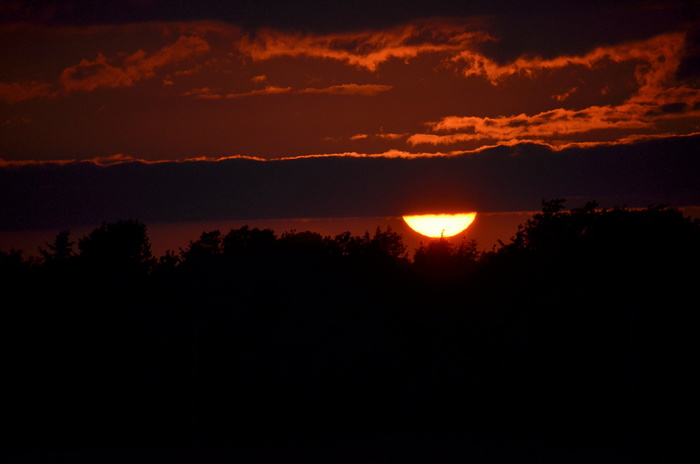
(169, 83)
(174, 89)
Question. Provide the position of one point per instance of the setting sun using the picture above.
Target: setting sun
(440, 225)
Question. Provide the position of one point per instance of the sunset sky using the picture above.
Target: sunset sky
(213, 82)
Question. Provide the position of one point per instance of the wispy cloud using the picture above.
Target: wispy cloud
(366, 49)
(551, 127)
(368, 90)
(658, 58)
(121, 70)
(381, 135)
(103, 72)
(657, 98)
(207, 93)
(556, 122)
(121, 158)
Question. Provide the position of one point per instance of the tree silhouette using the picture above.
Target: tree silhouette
(578, 333)
(385, 243)
(208, 245)
(441, 257)
(121, 248)
(60, 251)
(14, 270)
(384, 247)
(245, 242)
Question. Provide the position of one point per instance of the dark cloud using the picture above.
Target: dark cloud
(499, 179)
(572, 28)
(669, 108)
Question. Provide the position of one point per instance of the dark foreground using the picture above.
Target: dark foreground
(574, 343)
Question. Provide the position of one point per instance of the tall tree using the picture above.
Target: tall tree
(60, 251)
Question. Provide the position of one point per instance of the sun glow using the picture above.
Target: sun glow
(440, 225)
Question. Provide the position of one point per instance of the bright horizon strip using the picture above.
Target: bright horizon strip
(439, 225)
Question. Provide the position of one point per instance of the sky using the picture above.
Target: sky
(333, 107)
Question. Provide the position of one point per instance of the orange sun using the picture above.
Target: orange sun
(440, 225)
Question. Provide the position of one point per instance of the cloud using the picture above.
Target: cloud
(657, 98)
(20, 91)
(22, 163)
(367, 90)
(513, 178)
(650, 64)
(121, 158)
(548, 123)
(117, 158)
(392, 153)
(366, 49)
(390, 135)
(658, 59)
(103, 72)
(381, 135)
(552, 127)
(558, 126)
(269, 90)
(206, 93)
(564, 95)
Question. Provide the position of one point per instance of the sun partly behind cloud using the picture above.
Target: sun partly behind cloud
(184, 89)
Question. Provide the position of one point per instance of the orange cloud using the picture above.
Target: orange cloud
(117, 158)
(381, 135)
(366, 49)
(89, 75)
(390, 135)
(565, 95)
(659, 55)
(657, 98)
(553, 124)
(393, 153)
(122, 158)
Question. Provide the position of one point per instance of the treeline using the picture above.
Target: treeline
(577, 333)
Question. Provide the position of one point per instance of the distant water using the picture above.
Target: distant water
(487, 229)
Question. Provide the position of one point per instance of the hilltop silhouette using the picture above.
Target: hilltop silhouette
(575, 336)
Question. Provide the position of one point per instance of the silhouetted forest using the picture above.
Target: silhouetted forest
(577, 335)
